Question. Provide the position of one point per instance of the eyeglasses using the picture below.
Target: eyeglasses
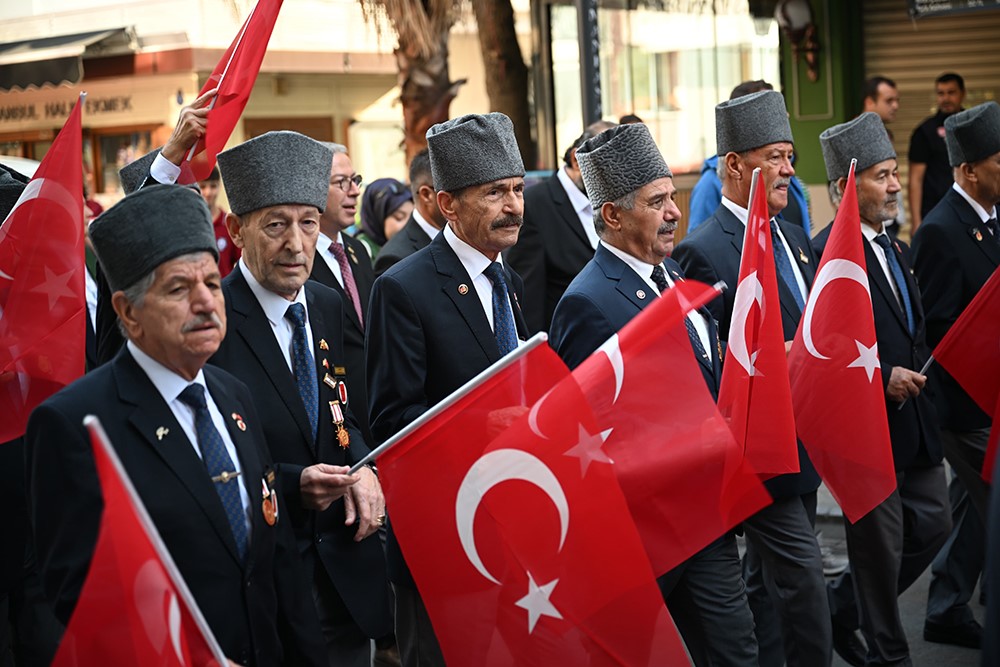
(344, 182)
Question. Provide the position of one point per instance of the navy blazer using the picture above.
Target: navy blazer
(426, 338)
(354, 332)
(552, 248)
(604, 298)
(251, 353)
(260, 610)
(407, 241)
(954, 255)
(712, 253)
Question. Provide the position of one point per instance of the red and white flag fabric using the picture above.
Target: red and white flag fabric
(42, 296)
(836, 377)
(755, 396)
(682, 472)
(134, 608)
(522, 548)
(234, 75)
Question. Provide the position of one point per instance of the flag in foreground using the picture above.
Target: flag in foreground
(42, 300)
(755, 396)
(134, 608)
(836, 377)
(522, 549)
(679, 467)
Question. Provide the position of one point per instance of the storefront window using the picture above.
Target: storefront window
(116, 151)
(669, 65)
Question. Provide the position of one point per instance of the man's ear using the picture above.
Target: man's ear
(126, 314)
(448, 203)
(611, 216)
(235, 228)
(734, 166)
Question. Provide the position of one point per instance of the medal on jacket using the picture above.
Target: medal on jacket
(343, 437)
(269, 506)
(802, 256)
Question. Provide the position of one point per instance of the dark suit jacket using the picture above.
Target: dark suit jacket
(951, 264)
(914, 429)
(251, 352)
(712, 253)
(354, 333)
(260, 612)
(602, 300)
(551, 250)
(407, 241)
(425, 340)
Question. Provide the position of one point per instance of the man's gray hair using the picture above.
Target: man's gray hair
(835, 194)
(625, 203)
(336, 148)
(720, 167)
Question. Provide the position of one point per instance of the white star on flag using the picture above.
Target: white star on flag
(589, 448)
(867, 358)
(55, 286)
(537, 602)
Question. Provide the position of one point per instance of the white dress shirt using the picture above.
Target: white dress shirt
(91, 292)
(170, 385)
(275, 307)
(581, 204)
(883, 261)
(475, 263)
(323, 251)
(428, 228)
(983, 214)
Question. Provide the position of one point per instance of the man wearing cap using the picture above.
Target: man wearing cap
(168, 416)
(342, 263)
(955, 251)
(783, 556)
(888, 554)
(442, 315)
(631, 189)
(286, 342)
(558, 238)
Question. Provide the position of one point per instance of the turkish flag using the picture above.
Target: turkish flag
(42, 299)
(134, 608)
(755, 396)
(235, 75)
(970, 351)
(835, 374)
(681, 470)
(522, 547)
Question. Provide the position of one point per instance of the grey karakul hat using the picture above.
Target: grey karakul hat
(134, 173)
(751, 121)
(276, 168)
(619, 160)
(863, 138)
(149, 227)
(973, 134)
(473, 149)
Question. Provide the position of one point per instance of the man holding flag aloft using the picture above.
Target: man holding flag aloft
(887, 553)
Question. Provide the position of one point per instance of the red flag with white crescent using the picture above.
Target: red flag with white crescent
(755, 396)
(835, 373)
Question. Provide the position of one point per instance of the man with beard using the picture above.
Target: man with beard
(784, 566)
(445, 313)
(558, 236)
(892, 545)
(930, 172)
(635, 218)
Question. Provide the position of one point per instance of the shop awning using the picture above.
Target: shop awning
(56, 60)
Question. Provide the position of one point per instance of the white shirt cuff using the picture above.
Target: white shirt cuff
(164, 171)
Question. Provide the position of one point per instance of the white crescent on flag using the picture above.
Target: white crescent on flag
(53, 191)
(747, 292)
(612, 348)
(832, 270)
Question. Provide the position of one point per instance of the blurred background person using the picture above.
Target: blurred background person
(385, 207)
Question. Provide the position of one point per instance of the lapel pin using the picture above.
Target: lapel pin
(802, 256)
(240, 424)
(640, 293)
(323, 345)
(339, 370)
(326, 364)
(161, 432)
(463, 289)
(330, 382)
(269, 506)
(978, 235)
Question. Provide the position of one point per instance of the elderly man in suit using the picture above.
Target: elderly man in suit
(181, 429)
(425, 222)
(955, 251)
(892, 545)
(286, 341)
(631, 189)
(783, 556)
(342, 263)
(445, 313)
(558, 236)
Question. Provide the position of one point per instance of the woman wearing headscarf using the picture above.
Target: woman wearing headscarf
(385, 207)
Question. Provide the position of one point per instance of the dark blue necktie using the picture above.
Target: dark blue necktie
(503, 316)
(660, 280)
(220, 466)
(897, 275)
(303, 365)
(784, 267)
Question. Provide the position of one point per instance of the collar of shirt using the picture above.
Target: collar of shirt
(581, 204)
(474, 263)
(323, 250)
(275, 306)
(167, 382)
(741, 213)
(428, 228)
(641, 268)
(91, 294)
(869, 235)
(983, 214)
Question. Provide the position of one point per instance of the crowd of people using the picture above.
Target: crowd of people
(267, 342)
